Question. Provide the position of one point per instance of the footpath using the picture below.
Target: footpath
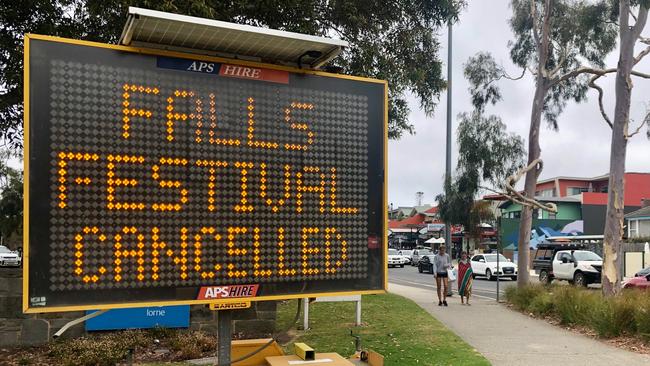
(506, 337)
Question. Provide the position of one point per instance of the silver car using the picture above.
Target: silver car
(9, 258)
(418, 254)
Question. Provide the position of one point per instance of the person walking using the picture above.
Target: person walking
(465, 278)
(441, 263)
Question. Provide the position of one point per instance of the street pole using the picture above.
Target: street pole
(448, 162)
(224, 336)
(498, 246)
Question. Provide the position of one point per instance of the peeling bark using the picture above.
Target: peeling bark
(534, 150)
(612, 243)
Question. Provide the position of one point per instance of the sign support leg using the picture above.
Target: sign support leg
(358, 318)
(77, 321)
(305, 313)
(224, 336)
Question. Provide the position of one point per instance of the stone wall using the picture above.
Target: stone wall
(17, 328)
(258, 321)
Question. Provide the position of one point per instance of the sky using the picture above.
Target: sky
(416, 163)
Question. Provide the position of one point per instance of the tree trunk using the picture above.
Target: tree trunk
(534, 151)
(612, 245)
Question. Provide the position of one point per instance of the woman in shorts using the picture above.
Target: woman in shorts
(441, 263)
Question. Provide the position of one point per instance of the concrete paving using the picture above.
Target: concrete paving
(506, 337)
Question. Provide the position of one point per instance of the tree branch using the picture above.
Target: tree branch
(523, 72)
(533, 14)
(545, 40)
(559, 64)
(592, 84)
(640, 22)
(642, 54)
(519, 198)
(646, 121)
(601, 72)
(638, 129)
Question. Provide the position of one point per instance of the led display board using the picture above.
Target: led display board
(160, 178)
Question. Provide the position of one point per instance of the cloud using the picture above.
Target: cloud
(580, 148)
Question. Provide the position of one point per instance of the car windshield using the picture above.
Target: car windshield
(425, 252)
(407, 252)
(4, 250)
(392, 252)
(493, 258)
(586, 256)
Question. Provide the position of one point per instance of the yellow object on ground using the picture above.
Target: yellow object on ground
(326, 359)
(241, 348)
(304, 351)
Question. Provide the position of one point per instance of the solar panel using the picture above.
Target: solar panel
(156, 29)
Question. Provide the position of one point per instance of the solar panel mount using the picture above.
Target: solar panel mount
(174, 32)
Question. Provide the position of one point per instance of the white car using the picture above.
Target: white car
(408, 254)
(395, 259)
(9, 258)
(486, 265)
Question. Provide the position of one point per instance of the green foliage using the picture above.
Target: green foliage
(582, 33)
(625, 314)
(522, 297)
(642, 316)
(573, 305)
(541, 305)
(394, 40)
(487, 154)
(614, 316)
(483, 70)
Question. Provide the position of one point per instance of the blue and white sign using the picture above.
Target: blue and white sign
(141, 318)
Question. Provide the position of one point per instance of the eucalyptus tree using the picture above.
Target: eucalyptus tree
(629, 35)
(487, 155)
(392, 40)
(559, 42)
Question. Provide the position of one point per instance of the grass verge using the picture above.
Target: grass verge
(396, 327)
(627, 314)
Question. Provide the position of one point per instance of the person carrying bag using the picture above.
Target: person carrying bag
(441, 266)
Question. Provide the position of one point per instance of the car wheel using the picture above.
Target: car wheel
(420, 269)
(544, 278)
(579, 279)
(401, 266)
(514, 278)
(488, 274)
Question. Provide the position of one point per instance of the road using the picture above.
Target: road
(409, 276)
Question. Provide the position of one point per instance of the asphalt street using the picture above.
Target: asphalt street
(482, 288)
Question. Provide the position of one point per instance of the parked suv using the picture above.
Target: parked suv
(486, 265)
(569, 262)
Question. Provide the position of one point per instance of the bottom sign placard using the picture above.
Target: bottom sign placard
(231, 305)
(141, 318)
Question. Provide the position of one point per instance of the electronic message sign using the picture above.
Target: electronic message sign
(158, 178)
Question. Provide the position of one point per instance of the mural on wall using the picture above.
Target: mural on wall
(541, 230)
